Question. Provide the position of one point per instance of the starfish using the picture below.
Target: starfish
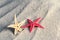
(16, 26)
(32, 24)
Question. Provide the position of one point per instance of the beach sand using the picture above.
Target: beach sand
(48, 10)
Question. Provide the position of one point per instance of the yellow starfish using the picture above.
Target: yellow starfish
(17, 26)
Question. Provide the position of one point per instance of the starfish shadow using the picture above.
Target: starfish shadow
(11, 29)
(29, 28)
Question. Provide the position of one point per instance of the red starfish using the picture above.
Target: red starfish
(32, 24)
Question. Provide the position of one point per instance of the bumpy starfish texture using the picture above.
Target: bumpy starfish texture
(32, 24)
(17, 26)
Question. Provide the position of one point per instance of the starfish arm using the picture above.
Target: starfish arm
(15, 19)
(12, 26)
(25, 26)
(29, 21)
(31, 27)
(20, 29)
(36, 24)
(15, 32)
(37, 20)
(21, 23)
